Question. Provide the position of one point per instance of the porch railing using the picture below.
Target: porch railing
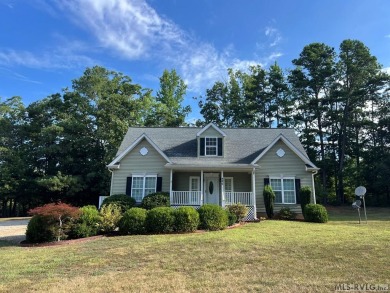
(185, 198)
(244, 198)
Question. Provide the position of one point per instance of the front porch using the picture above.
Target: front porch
(196, 188)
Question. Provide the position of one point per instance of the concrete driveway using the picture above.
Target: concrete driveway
(13, 230)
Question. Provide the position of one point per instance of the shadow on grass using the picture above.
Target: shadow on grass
(347, 213)
(8, 243)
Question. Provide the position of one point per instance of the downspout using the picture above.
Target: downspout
(313, 186)
(112, 180)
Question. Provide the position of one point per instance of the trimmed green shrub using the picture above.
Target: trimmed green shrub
(186, 219)
(286, 214)
(160, 220)
(41, 229)
(124, 201)
(88, 223)
(315, 213)
(305, 195)
(111, 214)
(154, 200)
(232, 218)
(269, 199)
(133, 221)
(212, 217)
(239, 210)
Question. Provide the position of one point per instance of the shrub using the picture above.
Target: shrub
(133, 221)
(315, 213)
(61, 213)
(286, 214)
(239, 210)
(110, 216)
(124, 201)
(41, 229)
(154, 200)
(305, 195)
(269, 198)
(186, 219)
(160, 220)
(88, 223)
(212, 217)
(232, 218)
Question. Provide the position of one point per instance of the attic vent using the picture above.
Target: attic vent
(280, 153)
(144, 151)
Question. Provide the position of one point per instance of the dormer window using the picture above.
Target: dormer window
(211, 146)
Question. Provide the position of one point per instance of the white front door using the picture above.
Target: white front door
(211, 188)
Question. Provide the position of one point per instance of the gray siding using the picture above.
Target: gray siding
(272, 165)
(181, 180)
(134, 162)
(241, 181)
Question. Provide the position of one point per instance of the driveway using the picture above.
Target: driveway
(13, 230)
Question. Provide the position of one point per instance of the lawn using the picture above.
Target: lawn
(270, 256)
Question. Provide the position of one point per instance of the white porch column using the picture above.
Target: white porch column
(254, 193)
(170, 187)
(223, 189)
(201, 188)
(313, 186)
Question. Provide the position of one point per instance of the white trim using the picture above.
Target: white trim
(254, 193)
(216, 146)
(133, 145)
(287, 143)
(201, 188)
(170, 186)
(213, 126)
(281, 178)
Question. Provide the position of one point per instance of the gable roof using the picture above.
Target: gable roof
(213, 126)
(241, 145)
(132, 146)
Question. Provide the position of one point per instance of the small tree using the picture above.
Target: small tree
(305, 195)
(269, 198)
(58, 212)
(239, 210)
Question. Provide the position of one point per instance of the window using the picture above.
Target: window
(142, 186)
(194, 186)
(228, 184)
(284, 189)
(211, 146)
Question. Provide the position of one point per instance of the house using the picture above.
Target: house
(213, 165)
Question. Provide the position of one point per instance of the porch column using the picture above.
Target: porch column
(222, 189)
(201, 187)
(313, 187)
(170, 188)
(254, 193)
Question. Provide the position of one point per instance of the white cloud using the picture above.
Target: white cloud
(273, 35)
(61, 58)
(386, 69)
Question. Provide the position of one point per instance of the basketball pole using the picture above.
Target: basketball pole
(365, 213)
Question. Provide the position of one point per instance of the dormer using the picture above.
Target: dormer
(210, 141)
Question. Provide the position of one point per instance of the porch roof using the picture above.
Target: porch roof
(210, 166)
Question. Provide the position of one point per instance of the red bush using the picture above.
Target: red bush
(58, 211)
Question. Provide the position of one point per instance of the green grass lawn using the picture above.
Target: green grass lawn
(270, 256)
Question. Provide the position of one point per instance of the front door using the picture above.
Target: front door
(211, 188)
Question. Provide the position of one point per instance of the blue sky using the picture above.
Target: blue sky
(46, 44)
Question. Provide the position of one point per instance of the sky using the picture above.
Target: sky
(44, 45)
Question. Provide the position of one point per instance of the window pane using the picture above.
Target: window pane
(149, 191)
(278, 196)
(138, 182)
(150, 182)
(276, 184)
(289, 197)
(194, 184)
(288, 184)
(137, 194)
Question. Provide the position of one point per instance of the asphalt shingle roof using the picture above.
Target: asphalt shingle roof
(242, 145)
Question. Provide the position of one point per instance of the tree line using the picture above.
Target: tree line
(57, 148)
(338, 102)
